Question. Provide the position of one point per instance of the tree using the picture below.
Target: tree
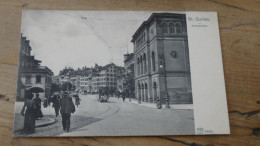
(66, 70)
(129, 81)
(67, 86)
(73, 88)
(55, 88)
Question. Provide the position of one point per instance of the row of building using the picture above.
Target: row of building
(91, 79)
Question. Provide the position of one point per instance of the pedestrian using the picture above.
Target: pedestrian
(158, 103)
(28, 111)
(45, 102)
(38, 110)
(56, 103)
(123, 96)
(67, 107)
(77, 100)
(118, 94)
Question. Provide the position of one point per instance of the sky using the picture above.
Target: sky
(80, 38)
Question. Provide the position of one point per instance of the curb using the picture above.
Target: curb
(163, 106)
(50, 122)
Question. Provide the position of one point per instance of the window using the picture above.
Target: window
(171, 27)
(138, 71)
(38, 79)
(144, 61)
(153, 61)
(28, 79)
(164, 28)
(174, 54)
(178, 28)
(152, 31)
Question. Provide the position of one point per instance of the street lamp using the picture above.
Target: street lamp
(167, 97)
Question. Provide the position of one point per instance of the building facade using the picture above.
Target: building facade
(30, 73)
(105, 76)
(161, 59)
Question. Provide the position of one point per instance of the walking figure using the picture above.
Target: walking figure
(56, 103)
(29, 115)
(123, 96)
(118, 94)
(38, 110)
(77, 100)
(67, 107)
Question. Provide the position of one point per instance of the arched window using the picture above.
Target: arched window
(141, 64)
(146, 92)
(144, 61)
(178, 28)
(137, 67)
(164, 28)
(153, 61)
(142, 92)
(171, 27)
(154, 90)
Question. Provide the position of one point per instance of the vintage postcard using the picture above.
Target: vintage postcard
(119, 73)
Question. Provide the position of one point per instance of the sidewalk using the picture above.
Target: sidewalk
(152, 105)
(48, 117)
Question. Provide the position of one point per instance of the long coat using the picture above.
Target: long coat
(66, 104)
(38, 111)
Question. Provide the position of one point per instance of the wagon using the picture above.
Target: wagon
(103, 94)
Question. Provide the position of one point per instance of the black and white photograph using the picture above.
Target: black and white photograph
(103, 73)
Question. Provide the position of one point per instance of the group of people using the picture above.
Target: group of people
(124, 95)
(62, 102)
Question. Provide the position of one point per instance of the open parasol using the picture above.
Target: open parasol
(35, 90)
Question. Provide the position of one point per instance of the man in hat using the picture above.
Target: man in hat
(67, 107)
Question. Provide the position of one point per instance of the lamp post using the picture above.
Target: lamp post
(167, 97)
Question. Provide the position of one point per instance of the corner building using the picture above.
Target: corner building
(31, 73)
(161, 59)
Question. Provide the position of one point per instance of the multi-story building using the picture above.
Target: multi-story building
(161, 57)
(30, 73)
(105, 77)
(85, 80)
(92, 79)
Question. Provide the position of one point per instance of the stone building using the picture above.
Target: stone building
(104, 76)
(161, 57)
(30, 73)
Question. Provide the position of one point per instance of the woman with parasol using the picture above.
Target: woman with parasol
(28, 111)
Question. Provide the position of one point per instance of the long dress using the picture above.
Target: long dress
(38, 111)
(29, 117)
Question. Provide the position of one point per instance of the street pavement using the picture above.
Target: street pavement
(118, 118)
(115, 118)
